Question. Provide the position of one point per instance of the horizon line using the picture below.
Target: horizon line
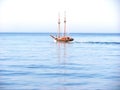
(68, 33)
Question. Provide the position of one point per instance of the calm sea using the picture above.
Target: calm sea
(33, 61)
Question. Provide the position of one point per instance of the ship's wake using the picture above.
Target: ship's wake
(97, 42)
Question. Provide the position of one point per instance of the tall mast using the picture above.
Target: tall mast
(58, 25)
(64, 24)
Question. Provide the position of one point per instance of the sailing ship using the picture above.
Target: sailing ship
(63, 38)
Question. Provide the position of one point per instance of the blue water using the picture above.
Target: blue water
(33, 61)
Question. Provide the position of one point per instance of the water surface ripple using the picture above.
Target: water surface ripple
(32, 61)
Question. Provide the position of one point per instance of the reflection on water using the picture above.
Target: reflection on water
(62, 54)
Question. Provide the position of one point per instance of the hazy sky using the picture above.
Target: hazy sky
(42, 15)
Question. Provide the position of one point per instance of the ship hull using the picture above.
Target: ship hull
(62, 39)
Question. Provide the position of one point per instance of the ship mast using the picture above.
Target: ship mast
(64, 24)
(58, 25)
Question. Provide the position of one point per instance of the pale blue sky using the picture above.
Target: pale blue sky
(41, 15)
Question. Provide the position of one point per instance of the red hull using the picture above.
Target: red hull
(63, 39)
